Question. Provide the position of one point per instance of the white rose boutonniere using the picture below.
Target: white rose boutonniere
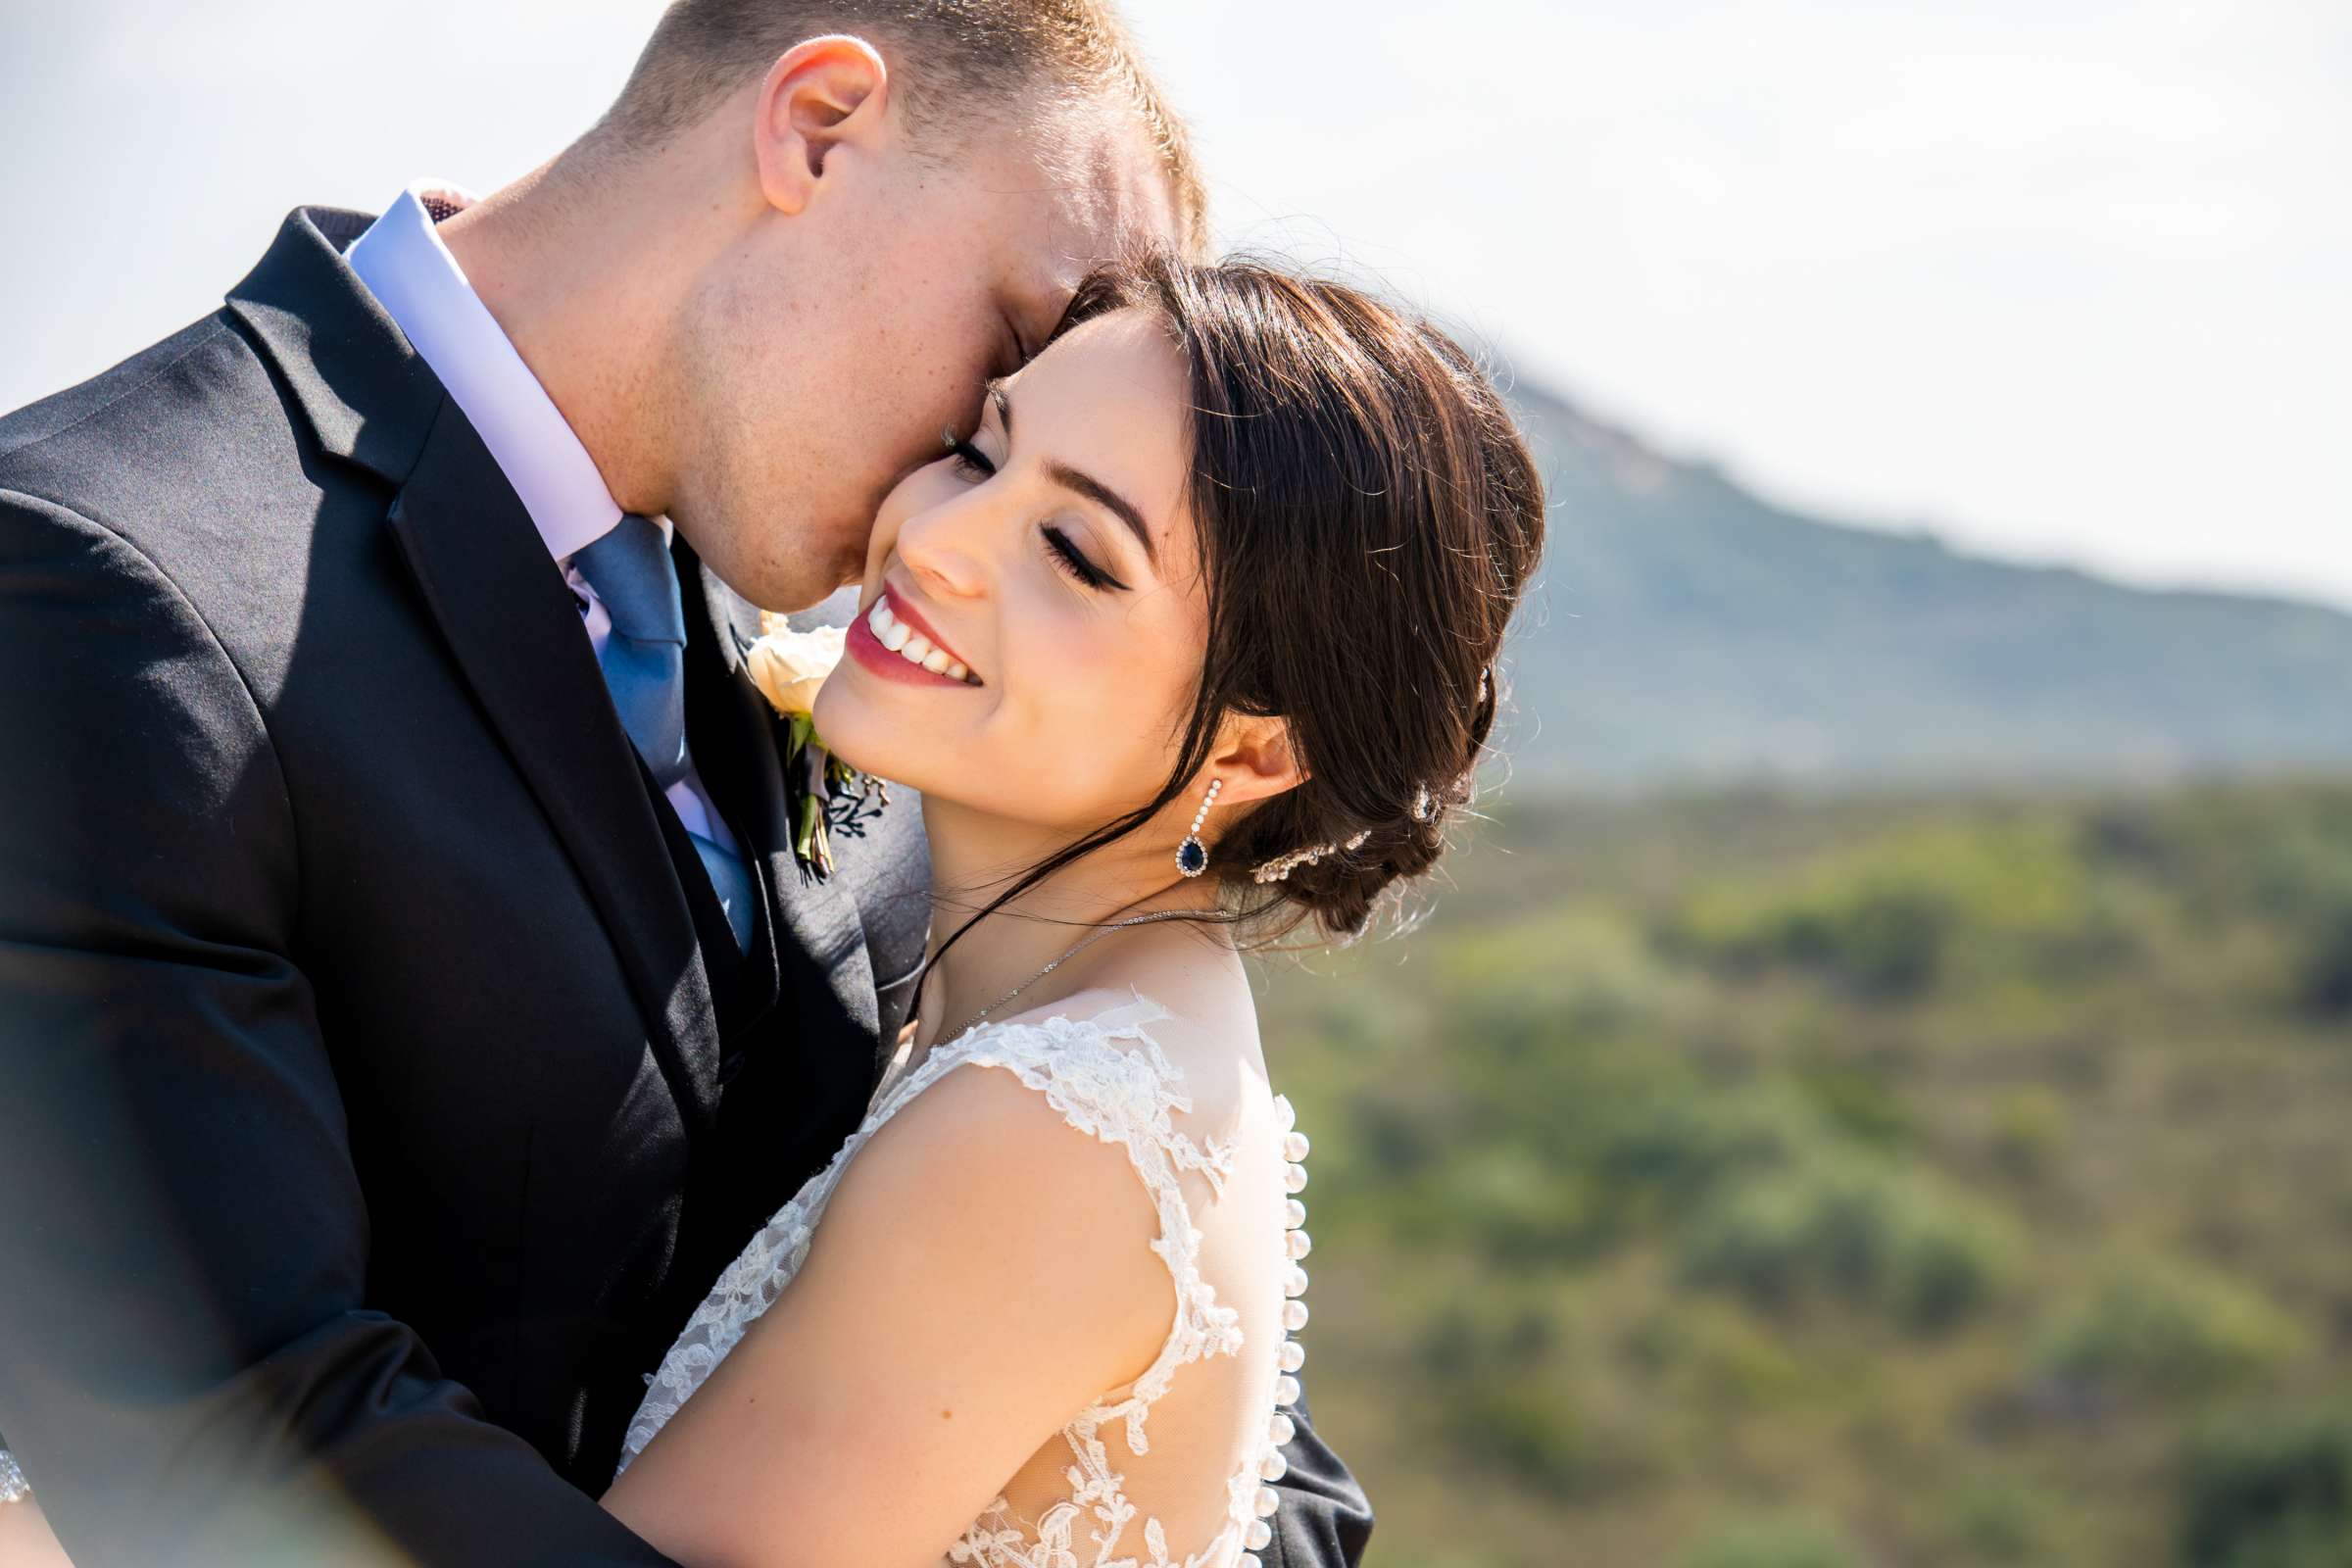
(788, 666)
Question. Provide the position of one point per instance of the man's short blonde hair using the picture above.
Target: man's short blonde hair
(953, 64)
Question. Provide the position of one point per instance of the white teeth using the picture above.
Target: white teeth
(909, 644)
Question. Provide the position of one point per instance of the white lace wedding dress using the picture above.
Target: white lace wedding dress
(1076, 1504)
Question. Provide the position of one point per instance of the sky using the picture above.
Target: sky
(2060, 280)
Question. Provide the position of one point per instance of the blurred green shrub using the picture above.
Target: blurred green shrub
(1880, 941)
(1858, 1100)
(1675, 1147)
(1525, 1430)
(2269, 1489)
(1510, 1404)
(1882, 924)
(1996, 1519)
(2029, 1128)
(1856, 1229)
(2164, 1326)
(1711, 1354)
(2323, 984)
(1774, 1541)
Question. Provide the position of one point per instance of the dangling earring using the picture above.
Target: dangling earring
(1192, 855)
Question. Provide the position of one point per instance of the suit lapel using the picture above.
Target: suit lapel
(487, 579)
(824, 968)
(514, 628)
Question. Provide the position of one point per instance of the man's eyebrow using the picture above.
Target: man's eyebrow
(1084, 484)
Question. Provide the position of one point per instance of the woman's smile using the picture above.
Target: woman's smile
(894, 640)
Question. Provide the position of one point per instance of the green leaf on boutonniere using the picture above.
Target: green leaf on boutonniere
(812, 844)
(788, 667)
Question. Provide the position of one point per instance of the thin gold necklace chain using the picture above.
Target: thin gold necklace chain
(1080, 945)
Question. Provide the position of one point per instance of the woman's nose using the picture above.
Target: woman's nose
(944, 546)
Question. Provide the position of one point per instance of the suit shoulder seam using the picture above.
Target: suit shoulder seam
(215, 329)
(147, 565)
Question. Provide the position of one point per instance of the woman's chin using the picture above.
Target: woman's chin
(860, 732)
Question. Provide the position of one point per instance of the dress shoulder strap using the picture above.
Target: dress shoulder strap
(1103, 1072)
(1111, 1079)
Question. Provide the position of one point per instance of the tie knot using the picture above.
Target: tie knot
(631, 572)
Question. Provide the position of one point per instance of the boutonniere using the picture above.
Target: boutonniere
(788, 666)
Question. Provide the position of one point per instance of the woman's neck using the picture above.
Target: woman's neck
(973, 858)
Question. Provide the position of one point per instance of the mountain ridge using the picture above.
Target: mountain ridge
(1688, 630)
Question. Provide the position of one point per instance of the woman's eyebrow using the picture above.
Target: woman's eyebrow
(1079, 481)
(1094, 489)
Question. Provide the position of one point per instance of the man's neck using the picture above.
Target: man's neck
(582, 299)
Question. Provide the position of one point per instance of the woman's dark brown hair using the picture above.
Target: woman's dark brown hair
(1368, 518)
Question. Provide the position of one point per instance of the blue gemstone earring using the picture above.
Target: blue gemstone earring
(1191, 857)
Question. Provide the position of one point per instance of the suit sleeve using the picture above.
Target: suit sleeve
(1325, 1519)
(189, 1370)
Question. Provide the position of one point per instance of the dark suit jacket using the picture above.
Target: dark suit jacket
(379, 1088)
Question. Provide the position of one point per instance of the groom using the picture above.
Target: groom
(409, 998)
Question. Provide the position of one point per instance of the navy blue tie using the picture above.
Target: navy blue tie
(645, 669)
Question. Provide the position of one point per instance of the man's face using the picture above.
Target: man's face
(826, 358)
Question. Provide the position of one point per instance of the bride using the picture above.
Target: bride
(1189, 642)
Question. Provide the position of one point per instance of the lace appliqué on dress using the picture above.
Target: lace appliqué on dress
(1120, 1094)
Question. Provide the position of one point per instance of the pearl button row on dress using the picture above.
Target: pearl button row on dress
(1271, 1465)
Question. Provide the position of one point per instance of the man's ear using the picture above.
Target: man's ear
(1256, 759)
(820, 95)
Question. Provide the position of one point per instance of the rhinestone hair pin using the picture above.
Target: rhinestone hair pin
(1425, 807)
(1282, 865)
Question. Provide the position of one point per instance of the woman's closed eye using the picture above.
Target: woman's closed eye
(1067, 559)
(1072, 561)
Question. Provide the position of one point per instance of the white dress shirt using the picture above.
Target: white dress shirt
(421, 286)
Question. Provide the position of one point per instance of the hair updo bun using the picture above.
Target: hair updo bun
(1368, 518)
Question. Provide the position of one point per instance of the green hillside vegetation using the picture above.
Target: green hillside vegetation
(1687, 629)
(1751, 1182)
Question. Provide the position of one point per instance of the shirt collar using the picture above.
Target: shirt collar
(412, 274)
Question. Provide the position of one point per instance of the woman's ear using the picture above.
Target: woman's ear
(820, 95)
(1256, 759)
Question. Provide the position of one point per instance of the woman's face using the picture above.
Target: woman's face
(1045, 575)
